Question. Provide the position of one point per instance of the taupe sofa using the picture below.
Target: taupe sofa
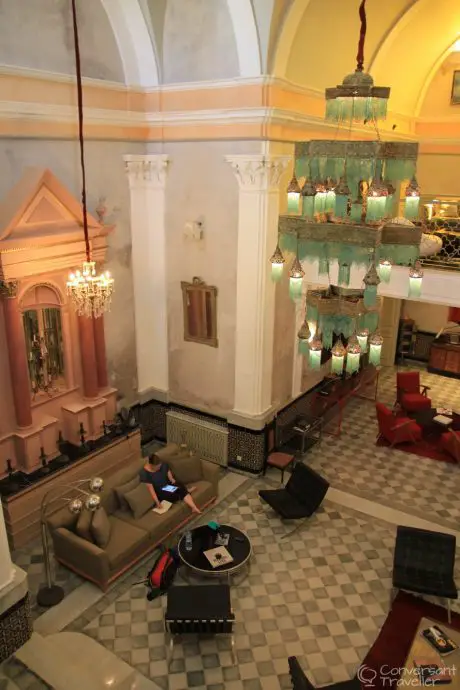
(130, 539)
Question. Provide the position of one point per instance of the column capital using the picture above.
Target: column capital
(258, 172)
(147, 170)
(9, 288)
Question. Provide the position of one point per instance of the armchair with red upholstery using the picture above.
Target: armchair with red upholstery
(450, 443)
(396, 429)
(410, 395)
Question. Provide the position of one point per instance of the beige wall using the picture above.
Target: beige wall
(438, 96)
(105, 177)
(428, 317)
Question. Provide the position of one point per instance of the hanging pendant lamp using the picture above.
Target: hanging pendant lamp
(304, 336)
(338, 353)
(371, 282)
(89, 293)
(277, 261)
(353, 355)
(415, 280)
(412, 200)
(375, 348)
(293, 192)
(316, 351)
(384, 270)
(308, 193)
(296, 275)
(356, 98)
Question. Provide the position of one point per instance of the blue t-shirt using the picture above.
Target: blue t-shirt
(157, 479)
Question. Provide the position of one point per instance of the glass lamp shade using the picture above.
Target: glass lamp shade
(356, 211)
(277, 261)
(329, 203)
(375, 348)
(316, 351)
(320, 198)
(296, 275)
(338, 353)
(342, 194)
(363, 336)
(304, 336)
(371, 282)
(96, 484)
(353, 355)
(308, 200)
(293, 192)
(412, 203)
(75, 506)
(384, 270)
(356, 99)
(415, 280)
(376, 202)
(92, 503)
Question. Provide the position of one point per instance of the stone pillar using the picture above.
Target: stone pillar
(147, 182)
(6, 565)
(88, 357)
(258, 178)
(17, 354)
(101, 358)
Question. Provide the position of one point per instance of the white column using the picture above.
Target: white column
(147, 181)
(297, 368)
(258, 178)
(6, 566)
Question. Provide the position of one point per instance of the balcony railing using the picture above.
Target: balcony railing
(448, 230)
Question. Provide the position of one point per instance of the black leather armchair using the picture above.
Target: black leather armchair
(301, 497)
(300, 681)
(424, 563)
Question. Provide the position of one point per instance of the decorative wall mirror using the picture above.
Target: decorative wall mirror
(200, 312)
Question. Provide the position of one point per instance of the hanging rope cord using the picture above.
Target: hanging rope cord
(80, 130)
(362, 37)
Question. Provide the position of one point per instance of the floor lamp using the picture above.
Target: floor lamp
(86, 499)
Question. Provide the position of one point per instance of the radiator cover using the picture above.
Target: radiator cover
(201, 435)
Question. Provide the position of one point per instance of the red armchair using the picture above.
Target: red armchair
(396, 429)
(410, 395)
(450, 443)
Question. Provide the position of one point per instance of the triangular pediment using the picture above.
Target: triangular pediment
(40, 205)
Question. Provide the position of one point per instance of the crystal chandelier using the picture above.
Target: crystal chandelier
(90, 293)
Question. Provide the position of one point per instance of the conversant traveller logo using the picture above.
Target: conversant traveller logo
(394, 677)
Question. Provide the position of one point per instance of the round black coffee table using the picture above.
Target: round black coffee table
(203, 538)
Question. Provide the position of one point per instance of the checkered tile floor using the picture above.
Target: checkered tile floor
(352, 462)
(321, 594)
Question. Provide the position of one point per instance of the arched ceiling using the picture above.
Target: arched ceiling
(406, 40)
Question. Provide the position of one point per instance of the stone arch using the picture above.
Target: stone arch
(408, 25)
(134, 43)
(246, 37)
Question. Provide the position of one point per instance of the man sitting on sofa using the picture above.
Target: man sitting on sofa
(158, 477)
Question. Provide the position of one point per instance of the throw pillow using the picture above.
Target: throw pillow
(100, 528)
(139, 500)
(120, 492)
(83, 526)
(186, 469)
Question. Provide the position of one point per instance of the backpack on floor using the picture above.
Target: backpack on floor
(162, 574)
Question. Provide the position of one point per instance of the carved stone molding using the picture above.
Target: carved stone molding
(149, 169)
(9, 288)
(258, 172)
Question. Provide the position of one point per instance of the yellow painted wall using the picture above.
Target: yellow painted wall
(439, 174)
(437, 101)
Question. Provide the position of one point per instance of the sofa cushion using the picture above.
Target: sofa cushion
(186, 468)
(169, 451)
(109, 498)
(139, 500)
(100, 528)
(125, 541)
(204, 492)
(158, 526)
(83, 526)
(120, 492)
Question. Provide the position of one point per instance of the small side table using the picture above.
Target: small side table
(281, 461)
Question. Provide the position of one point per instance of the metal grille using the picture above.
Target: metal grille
(448, 230)
(202, 436)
